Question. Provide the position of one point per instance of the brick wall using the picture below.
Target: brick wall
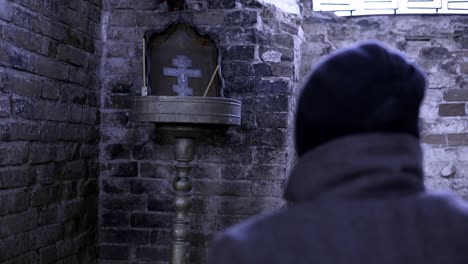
(237, 173)
(265, 56)
(49, 107)
(439, 44)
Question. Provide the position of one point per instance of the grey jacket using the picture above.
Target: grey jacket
(358, 199)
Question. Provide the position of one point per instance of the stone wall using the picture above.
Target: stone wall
(439, 44)
(265, 55)
(237, 173)
(49, 115)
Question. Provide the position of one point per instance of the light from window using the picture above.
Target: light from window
(391, 7)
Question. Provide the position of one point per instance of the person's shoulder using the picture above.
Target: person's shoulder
(447, 200)
(449, 207)
(230, 246)
(242, 231)
(234, 244)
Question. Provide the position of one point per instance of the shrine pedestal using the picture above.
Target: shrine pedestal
(184, 119)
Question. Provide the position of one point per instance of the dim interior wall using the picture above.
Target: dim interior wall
(237, 173)
(439, 44)
(49, 115)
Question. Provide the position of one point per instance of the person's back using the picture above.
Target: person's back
(357, 193)
(425, 230)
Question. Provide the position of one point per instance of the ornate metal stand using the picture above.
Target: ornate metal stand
(184, 118)
(184, 150)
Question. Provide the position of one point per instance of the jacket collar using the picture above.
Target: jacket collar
(358, 167)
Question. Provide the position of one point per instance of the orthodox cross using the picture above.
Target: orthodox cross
(182, 63)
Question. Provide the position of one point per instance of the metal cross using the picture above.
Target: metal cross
(182, 73)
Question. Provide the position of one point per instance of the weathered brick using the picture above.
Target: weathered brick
(72, 55)
(120, 84)
(238, 52)
(72, 209)
(221, 4)
(273, 86)
(160, 203)
(151, 151)
(434, 53)
(282, 40)
(241, 18)
(122, 18)
(271, 103)
(23, 38)
(452, 110)
(268, 155)
(464, 67)
(434, 139)
(46, 235)
(75, 169)
(12, 57)
(14, 153)
(6, 10)
(273, 120)
(48, 215)
(226, 188)
(147, 186)
(121, 169)
(152, 253)
(248, 205)
(26, 85)
(153, 220)
(116, 119)
(130, 202)
(205, 172)
(14, 202)
(29, 257)
(117, 102)
(268, 188)
(236, 154)
(282, 69)
(14, 246)
(270, 172)
(78, 76)
(115, 219)
(5, 107)
(460, 139)
(115, 186)
(209, 17)
(275, 138)
(140, 5)
(18, 223)
(235, 85)
(48, 254)
(261, 69)
(154, 170)
(43, 195)
(51, 68)
(124, 235)
(26, 19)
(41, 153)
(238, 35)
(116, 252)
(21, 177)
(116, 151)
(68, 191)
(125, 33)
(456, 95)
(19, 131)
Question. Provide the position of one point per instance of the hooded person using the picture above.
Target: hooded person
(357, 193)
